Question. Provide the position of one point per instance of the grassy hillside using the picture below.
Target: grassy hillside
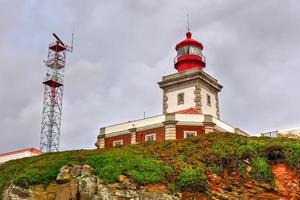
(181, 165)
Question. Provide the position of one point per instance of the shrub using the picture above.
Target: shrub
(261, 170)
(293, 155)
(193, 179)
(215, 169)
(172, 187)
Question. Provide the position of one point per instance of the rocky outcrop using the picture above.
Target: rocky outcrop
(78, 182)
(286, 185)
(287, 182)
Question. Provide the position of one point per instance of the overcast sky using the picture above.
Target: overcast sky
(122, 48)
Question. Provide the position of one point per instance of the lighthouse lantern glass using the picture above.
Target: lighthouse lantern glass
(194, 50)
(189, 50)
(183, 51)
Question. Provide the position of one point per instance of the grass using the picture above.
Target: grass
(109, 165)
(181, 165)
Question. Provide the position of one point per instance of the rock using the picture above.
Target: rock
(75, 171)
(117, 186)
(129, 185)
(125, 194)
(247, 162)
(63, 177)
(122, 178)
(286, 181)
(14, 192)
(267, 187)
(87, 186)
(248, 168)
(103, 193)
(67, 191)
(86, 169)
(156, 188)
(64, 169)
(157, 196)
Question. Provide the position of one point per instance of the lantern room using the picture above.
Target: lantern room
(189, 54)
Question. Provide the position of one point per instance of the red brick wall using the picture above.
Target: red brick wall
(160, 134)
(126, 140)
(181, 128)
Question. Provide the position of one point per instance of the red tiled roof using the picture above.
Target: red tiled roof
(33, 150)
(188, 111)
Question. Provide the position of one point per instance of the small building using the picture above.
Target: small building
(13, 155)
(190, 104)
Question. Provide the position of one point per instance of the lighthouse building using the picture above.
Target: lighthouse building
(190, 104)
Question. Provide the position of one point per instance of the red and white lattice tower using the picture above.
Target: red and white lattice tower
(53, 95)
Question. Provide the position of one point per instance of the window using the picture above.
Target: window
(183, 51)
(194, 50)
(150, 137)
(180, 98)
(117, 143)
(189, 50)
(208, 100)
(190, 134)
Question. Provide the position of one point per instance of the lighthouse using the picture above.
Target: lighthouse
(191, 89)
(189, 54)
(190, 104)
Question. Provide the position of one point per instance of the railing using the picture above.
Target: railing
(270, 134)
(56, 78)
(178, 56)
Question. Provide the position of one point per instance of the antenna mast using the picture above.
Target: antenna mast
(188, 23)
(53, 95)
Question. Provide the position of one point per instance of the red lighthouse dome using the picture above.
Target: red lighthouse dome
(189, 54)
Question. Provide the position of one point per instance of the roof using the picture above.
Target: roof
(191, 111)
(33, 150)
(189, 41)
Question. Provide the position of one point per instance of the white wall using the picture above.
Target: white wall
(135, 124)
(189, 102)
(189, 118)
(212, 109)
(16, 156)
(223, 125)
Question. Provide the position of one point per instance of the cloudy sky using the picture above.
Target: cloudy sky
(122, 48)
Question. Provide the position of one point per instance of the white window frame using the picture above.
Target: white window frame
(117, 141)
(152, 134)
(186, 132)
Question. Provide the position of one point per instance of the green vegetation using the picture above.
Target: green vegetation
(261, 169)
(193, 179)
(109, 165)
(181, 165)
